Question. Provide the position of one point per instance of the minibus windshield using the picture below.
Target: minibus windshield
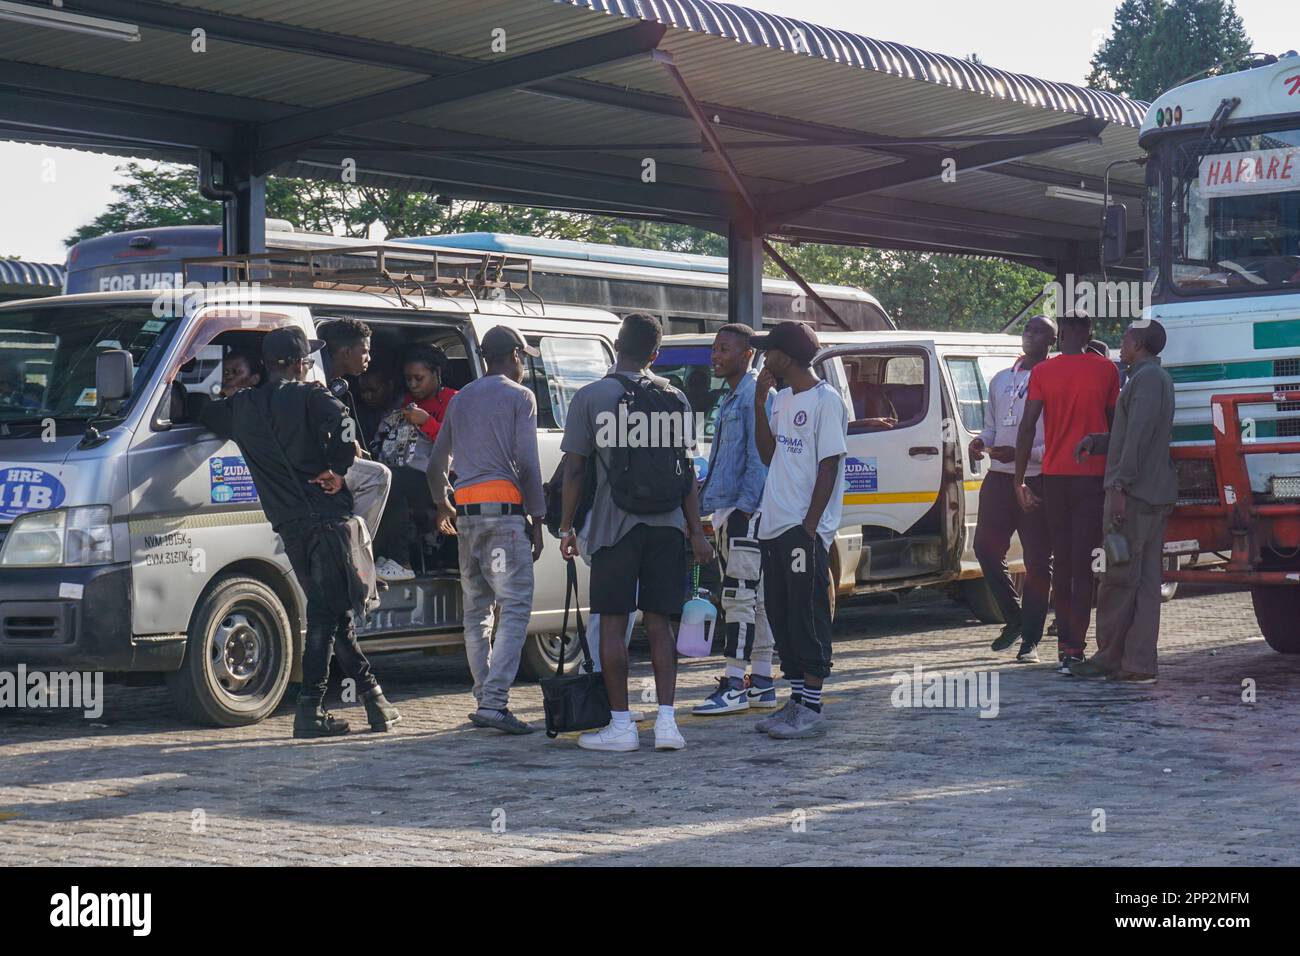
(47, 358)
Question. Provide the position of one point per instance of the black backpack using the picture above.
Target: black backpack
(649, 479)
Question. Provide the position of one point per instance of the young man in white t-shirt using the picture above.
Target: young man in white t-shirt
(803, 445)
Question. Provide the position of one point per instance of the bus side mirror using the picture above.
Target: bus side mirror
(1114, 234)
(114, 374)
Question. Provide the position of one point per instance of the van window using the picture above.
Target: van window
(887, 391)
(972, 391)
(566, 365)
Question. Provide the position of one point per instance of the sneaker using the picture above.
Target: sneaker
(386, 569)
(1129, 677)
(1063, 665)
(803, 722)
(668, 737)
(730, 698)
(762, 692)
(780, 717)
(1028, 654)
(1008, 636)
(611, 738)
(1089, 670)
(501, 720)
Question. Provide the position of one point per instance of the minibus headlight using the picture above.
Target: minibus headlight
(67, 536)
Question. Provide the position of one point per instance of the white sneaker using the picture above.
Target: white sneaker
(668, 737)
(386, 569)
(611, 738)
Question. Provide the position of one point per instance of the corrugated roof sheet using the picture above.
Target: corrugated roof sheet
(759, 28)
(33, 275)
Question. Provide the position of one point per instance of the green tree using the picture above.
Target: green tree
(1156, 43)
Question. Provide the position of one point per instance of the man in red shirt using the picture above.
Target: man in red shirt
(1075, 392)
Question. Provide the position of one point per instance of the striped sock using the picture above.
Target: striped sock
(796, 690)
(812, 698)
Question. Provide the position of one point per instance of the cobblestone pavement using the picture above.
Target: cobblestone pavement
(1184, 770)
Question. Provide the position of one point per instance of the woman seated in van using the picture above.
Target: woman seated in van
(404, 441)
(240, 370)
(376, 394)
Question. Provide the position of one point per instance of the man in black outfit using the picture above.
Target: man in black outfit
(292, 438)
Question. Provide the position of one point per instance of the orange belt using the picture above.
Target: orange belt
(497, 491)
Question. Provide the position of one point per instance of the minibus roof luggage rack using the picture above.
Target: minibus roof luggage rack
(382, 268)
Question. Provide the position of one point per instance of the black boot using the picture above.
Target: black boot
(312, 721)
(381, 714)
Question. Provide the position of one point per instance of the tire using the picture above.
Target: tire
(977, 596)
(541, 654)
(1168, 588)
(238, 657)
(1277, 610)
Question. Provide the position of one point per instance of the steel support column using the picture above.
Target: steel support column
(745, 272)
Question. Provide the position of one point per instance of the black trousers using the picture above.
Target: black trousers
(1074, 506)
(409, 501)
(1000, 516)
(796, 586)
(328, 633)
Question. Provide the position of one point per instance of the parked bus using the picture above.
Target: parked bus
(1223, 208)
(687, 292)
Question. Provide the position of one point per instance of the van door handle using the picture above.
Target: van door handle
(922, 450)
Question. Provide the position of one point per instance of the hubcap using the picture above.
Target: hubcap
(238, 652)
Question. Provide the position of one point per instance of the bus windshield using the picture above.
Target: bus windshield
(1235, 206)
(47, 358)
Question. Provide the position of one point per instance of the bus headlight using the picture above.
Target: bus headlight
(69, 536)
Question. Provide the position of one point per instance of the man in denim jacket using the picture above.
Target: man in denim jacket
(732, 491)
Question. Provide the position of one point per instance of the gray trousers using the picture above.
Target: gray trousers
(496, 574)
(369, 481)
(1128, 600)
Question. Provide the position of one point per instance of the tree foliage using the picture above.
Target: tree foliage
(1154, 44)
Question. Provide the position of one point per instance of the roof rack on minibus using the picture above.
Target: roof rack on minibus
(383, 268)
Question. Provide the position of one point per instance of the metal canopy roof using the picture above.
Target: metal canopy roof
(826, 135)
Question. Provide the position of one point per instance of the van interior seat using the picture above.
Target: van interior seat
(908, 401)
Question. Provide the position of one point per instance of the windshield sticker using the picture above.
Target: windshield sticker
(859, 475)
(1254, 171)
(108, 344)
(24, 489)
(88, 398)
(155, 325)
(230, 481)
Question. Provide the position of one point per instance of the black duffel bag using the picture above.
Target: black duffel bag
(577, 701)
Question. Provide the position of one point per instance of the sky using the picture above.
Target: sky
(52, 192)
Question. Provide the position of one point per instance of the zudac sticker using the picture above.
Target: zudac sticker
(230, 481)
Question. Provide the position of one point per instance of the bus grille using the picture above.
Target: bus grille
(1197, 483)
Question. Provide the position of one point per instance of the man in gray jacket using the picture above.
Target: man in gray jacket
(1141, 488)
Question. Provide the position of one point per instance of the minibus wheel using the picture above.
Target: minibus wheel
(1277, 609)
(238, 657)
(542, 653)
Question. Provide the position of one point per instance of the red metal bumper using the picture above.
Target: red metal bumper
(1237, 523)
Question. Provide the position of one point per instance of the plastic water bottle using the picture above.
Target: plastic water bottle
(695, 633)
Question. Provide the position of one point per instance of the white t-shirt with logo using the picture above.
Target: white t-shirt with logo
(809, 427)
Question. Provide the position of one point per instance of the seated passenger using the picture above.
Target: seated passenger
(240, 370)
(872, 407)
(376, 393)
(405, 444)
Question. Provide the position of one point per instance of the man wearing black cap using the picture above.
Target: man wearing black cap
(490, 434)
(291, 434)
(803, 444)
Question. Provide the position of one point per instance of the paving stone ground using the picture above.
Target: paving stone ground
(1184, 770)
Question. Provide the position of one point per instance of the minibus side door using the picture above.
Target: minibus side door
(894, 472)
